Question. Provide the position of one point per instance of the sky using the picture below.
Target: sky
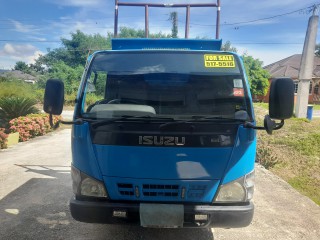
(268, 30)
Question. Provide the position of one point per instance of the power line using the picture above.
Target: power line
(255, 20)
(267, 43)
(58, 19)
(39, 41)
(196, 24)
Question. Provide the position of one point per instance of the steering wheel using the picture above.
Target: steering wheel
(113, 101)
(118, 101)
(102, 101)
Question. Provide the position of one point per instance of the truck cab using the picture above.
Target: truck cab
(171, 139)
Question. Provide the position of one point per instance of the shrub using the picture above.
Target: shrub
(3, 138)
(13, 107)
(16, 88)
(31, 126)
(69, 99)
(265, 157)
(91, 98)
(39, 94)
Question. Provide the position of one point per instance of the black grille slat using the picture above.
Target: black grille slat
(125, 185)
(125, 189)
(160, 190)
(126, 193)
(157, 186)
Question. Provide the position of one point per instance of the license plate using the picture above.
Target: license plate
(161, 215)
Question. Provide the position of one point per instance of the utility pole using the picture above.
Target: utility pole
(306, 65)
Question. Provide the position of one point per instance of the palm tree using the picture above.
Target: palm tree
(13, 107)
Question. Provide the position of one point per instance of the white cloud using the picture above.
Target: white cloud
(41, 39)
(15, 52)
(78, 3)
(63, 29)
(23, 28)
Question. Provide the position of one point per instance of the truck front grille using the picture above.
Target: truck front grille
(157, 190)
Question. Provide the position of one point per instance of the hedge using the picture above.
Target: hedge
(31, 126)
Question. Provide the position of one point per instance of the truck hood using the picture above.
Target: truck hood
(162, 162)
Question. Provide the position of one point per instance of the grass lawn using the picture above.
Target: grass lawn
(293, 153)
(316, 106)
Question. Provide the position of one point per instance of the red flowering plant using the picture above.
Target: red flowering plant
(3, 138)
(31, 125)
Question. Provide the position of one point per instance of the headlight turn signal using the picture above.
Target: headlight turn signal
(240, 190)
(84, 185)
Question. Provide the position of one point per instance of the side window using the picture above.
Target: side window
(95, 90)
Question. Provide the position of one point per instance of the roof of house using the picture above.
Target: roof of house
(19, 75)
(290, 66)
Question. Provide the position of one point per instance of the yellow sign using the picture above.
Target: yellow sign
(219, 61)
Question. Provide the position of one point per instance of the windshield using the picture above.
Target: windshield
(179, 85)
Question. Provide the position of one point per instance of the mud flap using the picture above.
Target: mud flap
(161, 215)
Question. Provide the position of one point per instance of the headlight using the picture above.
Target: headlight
(240, 190)
(84, 185)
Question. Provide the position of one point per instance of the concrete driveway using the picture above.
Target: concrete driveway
(35, 187)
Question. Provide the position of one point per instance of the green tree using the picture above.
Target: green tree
(71, 76)
(228, 48)
(258, 77)
(22, 66)
(126, 32)
(81, 45)
(74, 51)
(174, 29)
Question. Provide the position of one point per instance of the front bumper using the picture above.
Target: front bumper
(218, 216)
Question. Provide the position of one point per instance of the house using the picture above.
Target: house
(28, 78)
(290, 67)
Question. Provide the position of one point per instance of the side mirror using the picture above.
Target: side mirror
(281, 100)
(54, 97)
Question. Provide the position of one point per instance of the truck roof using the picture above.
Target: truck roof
(166, 44)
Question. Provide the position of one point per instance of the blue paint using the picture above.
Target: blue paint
(162, 162)
(83, 156)
(243, 155)
(180, 44)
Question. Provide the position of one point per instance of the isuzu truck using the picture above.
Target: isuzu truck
(172, 140)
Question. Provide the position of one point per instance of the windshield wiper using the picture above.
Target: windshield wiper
(204, 118)
(169, 124)
(196, 118)
(128, 117)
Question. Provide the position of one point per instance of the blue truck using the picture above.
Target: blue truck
(171, 142)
